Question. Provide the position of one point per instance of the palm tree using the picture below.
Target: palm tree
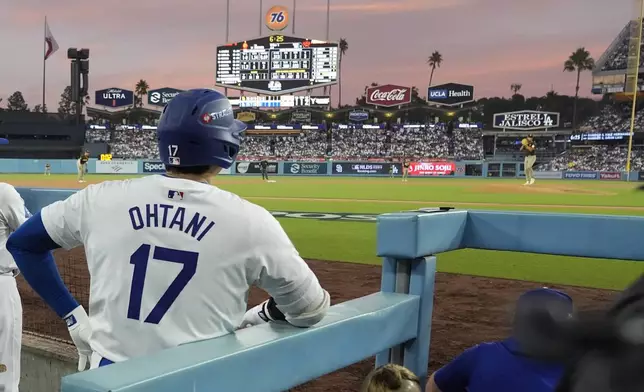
(140, 89)
(579, 61)
(344, 46)
(515, 88)
(434, 61)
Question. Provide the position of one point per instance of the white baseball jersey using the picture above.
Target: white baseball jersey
(171, 261)
(13, 213)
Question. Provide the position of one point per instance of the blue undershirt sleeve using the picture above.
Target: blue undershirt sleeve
(31, 246)
(455, 376)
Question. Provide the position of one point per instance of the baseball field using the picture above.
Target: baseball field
(332, 223)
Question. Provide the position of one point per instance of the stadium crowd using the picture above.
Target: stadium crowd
(413, 141)
(619, 56)
(344, 144)
(595, 158)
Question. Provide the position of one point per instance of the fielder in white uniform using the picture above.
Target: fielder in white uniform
(171, 257)
(12, 214)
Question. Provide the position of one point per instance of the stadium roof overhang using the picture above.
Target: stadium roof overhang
(96, 112)
(536, 132)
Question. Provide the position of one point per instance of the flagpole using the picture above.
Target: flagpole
(44, 65)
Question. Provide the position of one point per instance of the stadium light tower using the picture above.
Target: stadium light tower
(632, 73)
(79, 77)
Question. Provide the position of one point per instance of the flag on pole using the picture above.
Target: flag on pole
(52, 45)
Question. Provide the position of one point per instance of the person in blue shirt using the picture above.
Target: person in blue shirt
(509, 365)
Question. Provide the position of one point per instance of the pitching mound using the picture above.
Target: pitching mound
(550, 188)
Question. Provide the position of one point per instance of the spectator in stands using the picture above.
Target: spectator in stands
(595, 158)
(507, 366)
(618, 58)
(391, 378)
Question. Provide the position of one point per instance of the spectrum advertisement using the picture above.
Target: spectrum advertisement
(153, 167)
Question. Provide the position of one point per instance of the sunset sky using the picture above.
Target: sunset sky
(487, 43)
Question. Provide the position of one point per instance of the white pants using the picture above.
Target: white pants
(10, 334)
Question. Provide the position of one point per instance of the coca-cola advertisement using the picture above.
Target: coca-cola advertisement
(432, 168)
(388, 95)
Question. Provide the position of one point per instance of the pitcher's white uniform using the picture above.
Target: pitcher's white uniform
(12, 214)
(171, 261)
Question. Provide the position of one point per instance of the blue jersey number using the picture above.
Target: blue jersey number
(140, 261)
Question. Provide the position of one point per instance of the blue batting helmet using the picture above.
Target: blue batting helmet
(198, 128)
(546, 297)
(4, 141)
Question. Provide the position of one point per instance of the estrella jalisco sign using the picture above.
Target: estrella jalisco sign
(526, 120)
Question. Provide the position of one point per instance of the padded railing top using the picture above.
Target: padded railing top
(411, 235)
(248, 359)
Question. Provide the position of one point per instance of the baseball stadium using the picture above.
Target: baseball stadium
(332, 175)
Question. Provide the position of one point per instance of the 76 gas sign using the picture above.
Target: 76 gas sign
(277, 18)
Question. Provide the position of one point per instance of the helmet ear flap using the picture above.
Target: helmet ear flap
(231, 150)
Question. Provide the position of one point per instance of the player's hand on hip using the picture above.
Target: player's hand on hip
(80, 331)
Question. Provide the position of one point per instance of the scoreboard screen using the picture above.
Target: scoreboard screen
(282, 101)
(277, 64)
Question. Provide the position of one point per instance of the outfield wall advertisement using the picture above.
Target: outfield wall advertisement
(580, 175)
(305, 168)
(350, 168)
(117, 167)
(614, 176)
(153, 167)
(548, 175)
(432, 168)
(254, 167)
(446, 169)
(156, 167)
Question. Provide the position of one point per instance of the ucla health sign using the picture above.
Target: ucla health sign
(526, 120)
(161, 96)
(114, 97)
(450, 94)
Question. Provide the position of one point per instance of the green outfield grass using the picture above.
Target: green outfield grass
(355, 241)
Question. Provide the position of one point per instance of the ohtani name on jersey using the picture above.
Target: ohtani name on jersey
(168, 217)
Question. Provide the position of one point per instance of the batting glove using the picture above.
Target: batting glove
(263, 313)
(80, 331)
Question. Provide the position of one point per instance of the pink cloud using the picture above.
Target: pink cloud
(170, 43)
(388, 6)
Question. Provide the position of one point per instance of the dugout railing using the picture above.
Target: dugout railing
(394, 323)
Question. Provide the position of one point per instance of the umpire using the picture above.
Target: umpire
(264, 166)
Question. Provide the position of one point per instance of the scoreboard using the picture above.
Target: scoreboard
(282, 101)
(277, 64)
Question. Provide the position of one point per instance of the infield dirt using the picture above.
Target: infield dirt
(467, 310)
